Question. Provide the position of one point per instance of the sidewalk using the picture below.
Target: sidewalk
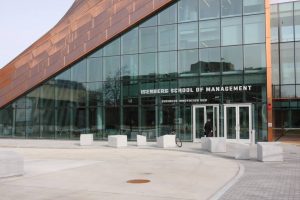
(178, 173)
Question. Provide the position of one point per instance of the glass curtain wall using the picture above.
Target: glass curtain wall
(144, 81)
(285, 32)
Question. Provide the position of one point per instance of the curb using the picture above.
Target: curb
(229, 184)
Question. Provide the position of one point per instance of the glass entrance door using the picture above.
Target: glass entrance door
(237, 122)
(201, 113)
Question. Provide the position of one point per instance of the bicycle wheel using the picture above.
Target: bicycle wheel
(178, 142)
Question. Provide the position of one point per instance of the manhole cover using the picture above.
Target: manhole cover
(138, 181)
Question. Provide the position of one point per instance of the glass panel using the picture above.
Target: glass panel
(167, 116)
(150, 22)
(254, 29)
(168, 16)
(79, 95)
(78, 71)
(274, 23)
(148, 65)
(188, 10)
(112, 92)
(148, 39)
(254, 6)
(297, 20)
(231, 8)
(209, 9)
(231, 31)
(297, 60)
(64, 76)
(199, 122)
(95, 122)
(232, 58)
(297, 91)
(184, 123)
(20, 123)
(167, 64)
(188, 35)
(148, 121)
(287, 91)
(209, 60)
(47, 126)
(63, 123)
(287, 69)
(255, 57)
(209, 33)
(111, 68)
(112, 49)
(286, 22)
(129, 66)
(231, 122)
(112, 121)
(295, 118)
(188, 64)
(130, 124)
(94, 67)
(167, 37)
(6, 121)
(95, 94)
(130, 42)
(275, 64)
(244, 122)
(98, 53)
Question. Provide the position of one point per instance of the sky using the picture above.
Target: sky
(22, 22)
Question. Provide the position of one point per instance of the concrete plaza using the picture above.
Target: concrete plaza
(65, 170)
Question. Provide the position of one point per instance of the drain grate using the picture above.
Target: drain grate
(138, 181)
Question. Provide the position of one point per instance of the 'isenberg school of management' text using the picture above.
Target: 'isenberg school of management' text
(231, 88)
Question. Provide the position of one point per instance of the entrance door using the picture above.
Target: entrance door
(200, 115)
(237, 122)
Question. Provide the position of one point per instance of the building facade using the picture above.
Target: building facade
(174, 68)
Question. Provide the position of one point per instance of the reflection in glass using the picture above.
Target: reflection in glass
(94, 68)
(274, 23)
(111, 68)
(112, 49)
(286, 22)
(148, 39)
(150, 22)
(187, 10)
(188, 63)
(287, 70)
(287, 91)
(130, 124)
(168, 16)
(232, 58)
(188, 35)
(78, 71)
(297, 20)
(209, 60)
(148, 65)
(297, 60)
(167, 64)
(167, 37)
(254, 29)
(95, 94)
(148, 121)
(254, 57)
(209, 9)
(95, 122)
(112, 121)
(253, 6)
(130, 42)
(209, 33)
(275, 64)
(129, 66)
(231, 31)
(244, 122)
(231, 8)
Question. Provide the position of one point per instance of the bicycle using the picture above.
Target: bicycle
(177, 139)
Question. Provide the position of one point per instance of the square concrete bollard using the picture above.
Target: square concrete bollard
(204, 143)
(86, 139)
(242, 151)
(117, 140)
(269, 151)
(141, 140)
(11, 164)
(166, 141)
(217, 144)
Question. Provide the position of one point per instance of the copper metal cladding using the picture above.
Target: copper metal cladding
(269, 71)
(87, 24)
